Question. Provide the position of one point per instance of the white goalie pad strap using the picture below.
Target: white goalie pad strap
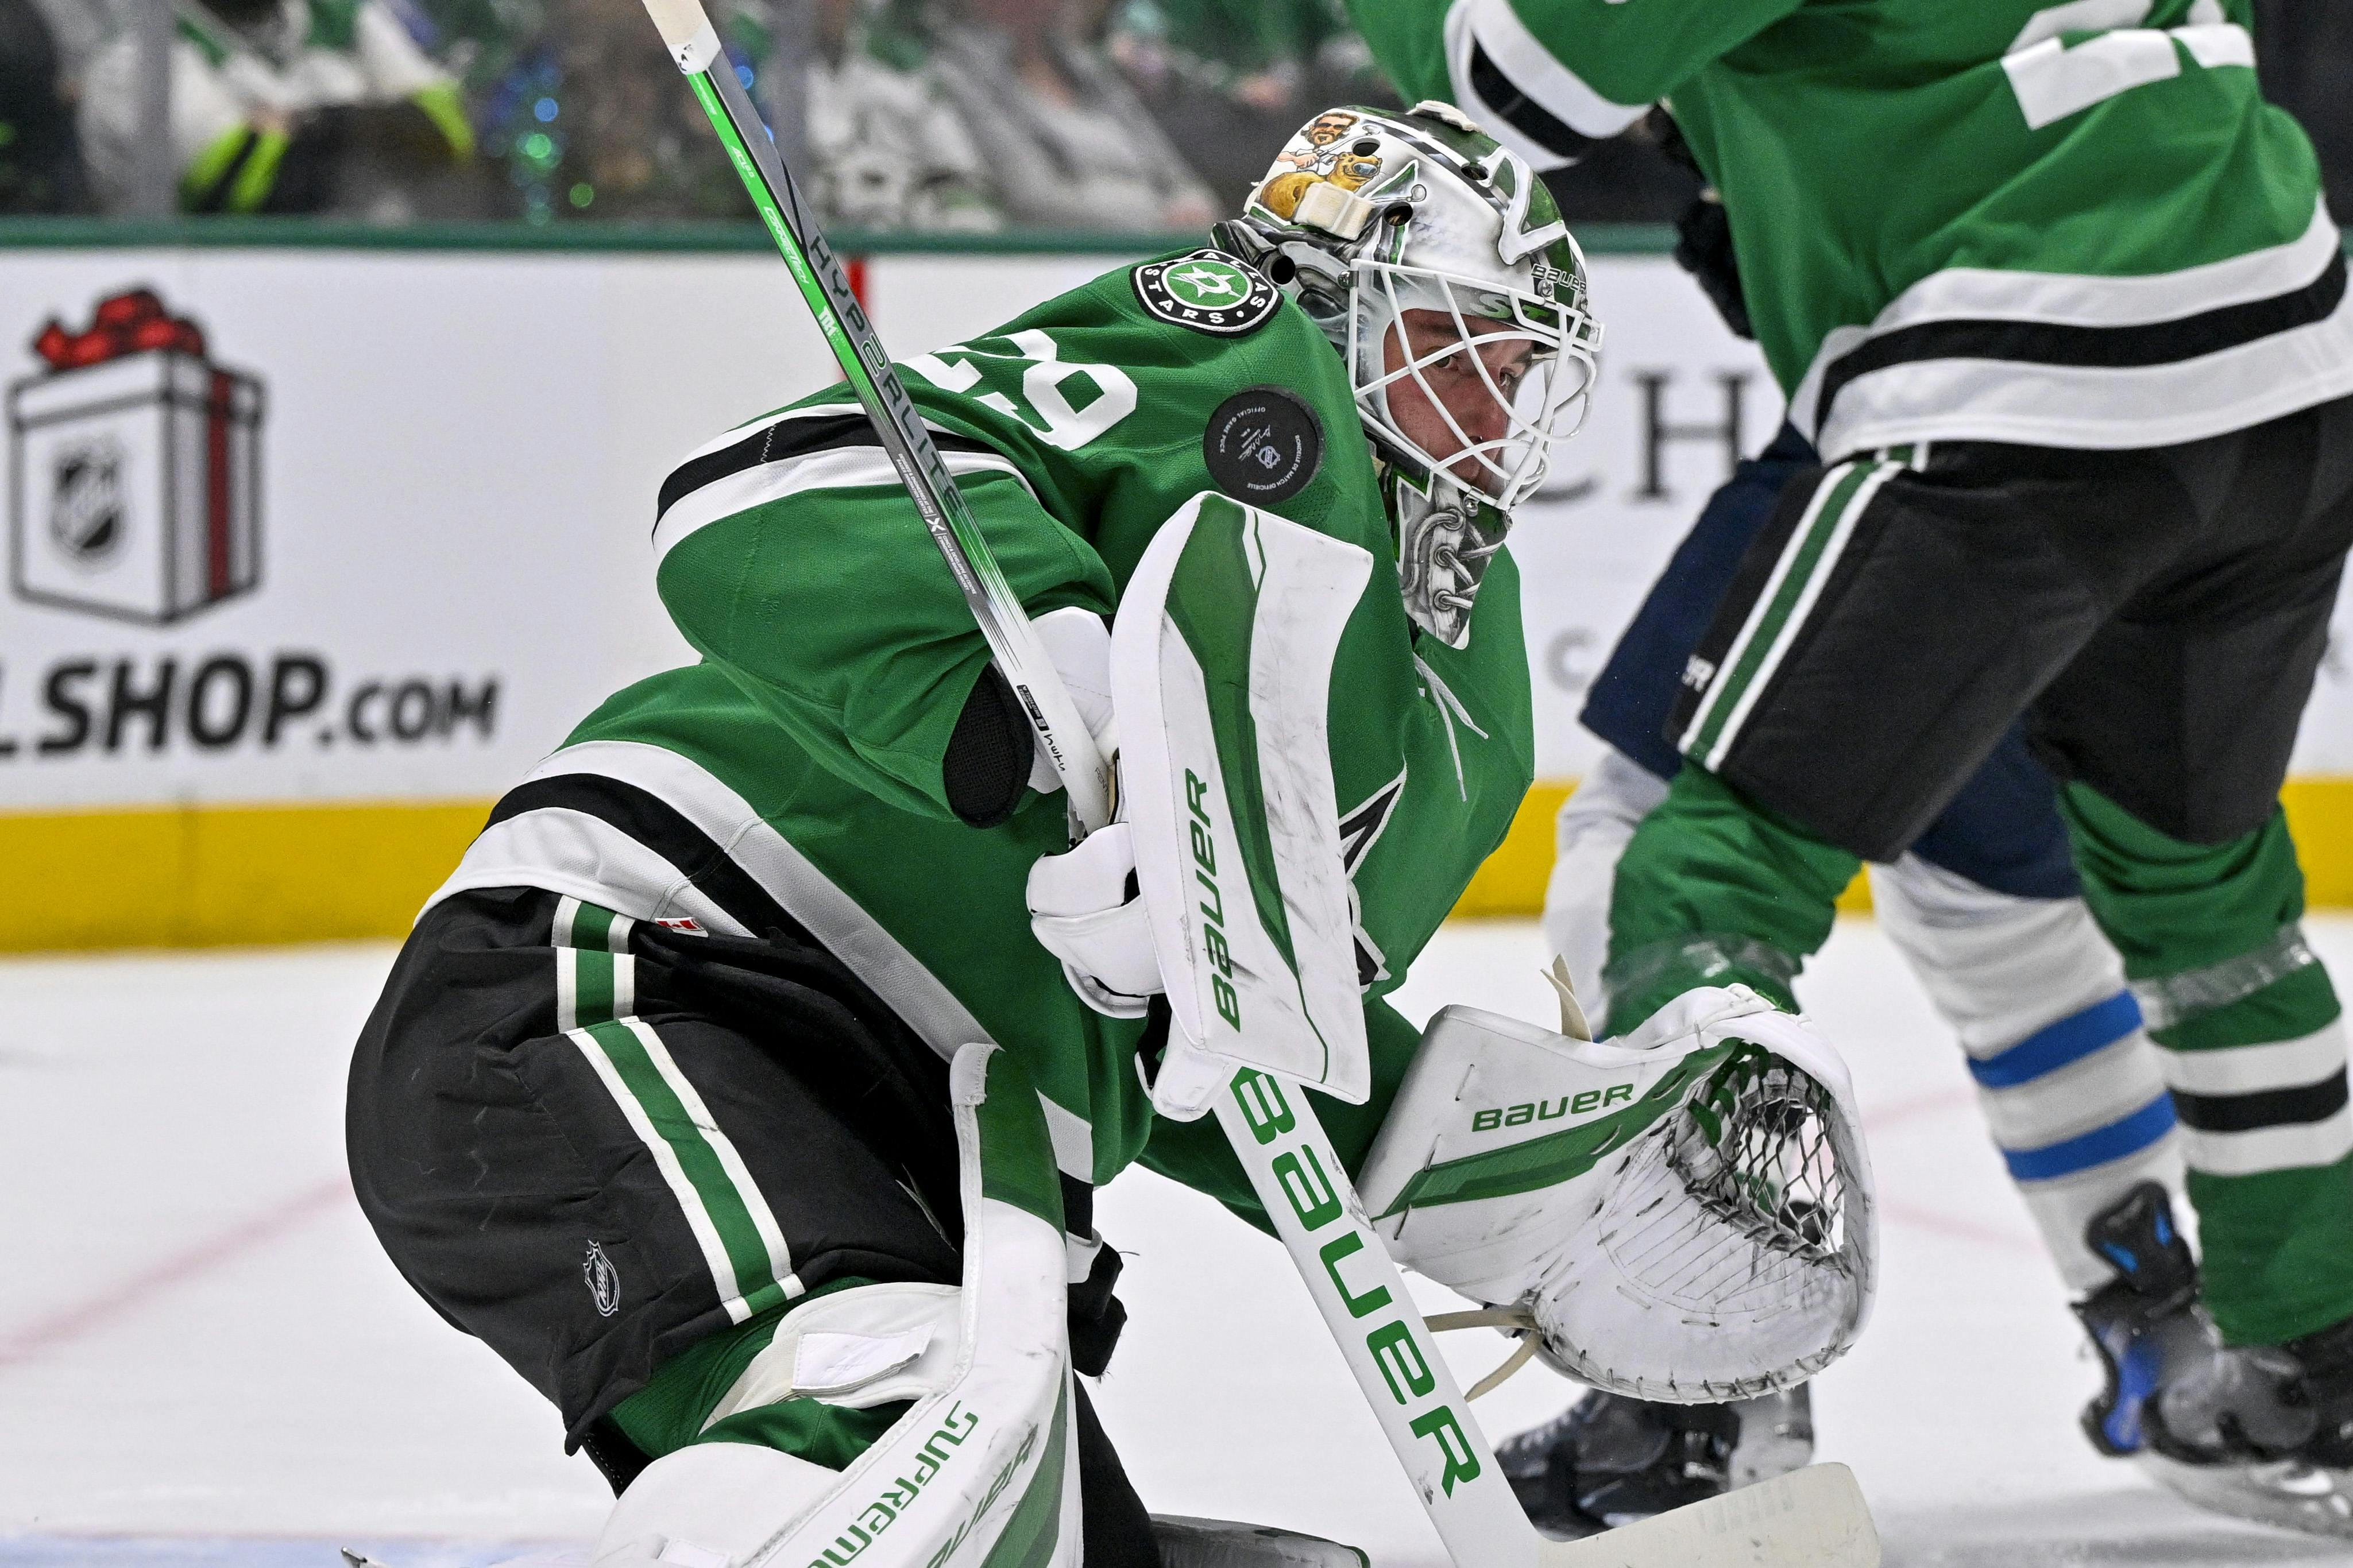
(867, 1346)
(1220, 673)
(1685, 1213)
(981, 1467)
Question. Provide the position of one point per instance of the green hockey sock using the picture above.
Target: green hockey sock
(2254, 1052)
(1714, 890)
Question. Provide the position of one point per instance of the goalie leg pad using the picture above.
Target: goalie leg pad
(1684, 1215)
(985, 1459)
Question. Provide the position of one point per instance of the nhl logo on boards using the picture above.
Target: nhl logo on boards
(135, 468)
(1262, 446)
(86, 501)
(1207, 292)
(604, 1280)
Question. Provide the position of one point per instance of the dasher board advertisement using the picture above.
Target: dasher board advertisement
(305, 526)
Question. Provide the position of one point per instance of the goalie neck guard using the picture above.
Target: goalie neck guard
(1436, 262)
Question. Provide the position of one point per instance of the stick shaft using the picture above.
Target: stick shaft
(824, 286)
(1357, 1288)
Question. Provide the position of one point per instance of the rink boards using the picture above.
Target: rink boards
(283, 618)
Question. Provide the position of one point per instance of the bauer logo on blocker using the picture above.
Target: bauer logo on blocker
(135, 468)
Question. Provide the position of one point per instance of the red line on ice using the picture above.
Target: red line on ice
(43, 1335)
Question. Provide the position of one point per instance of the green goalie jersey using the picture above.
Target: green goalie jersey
(2076, 225)
(798, 766)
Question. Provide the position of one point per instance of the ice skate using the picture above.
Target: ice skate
(2260, 1433)
(1610, 1460)
(2263, 1432)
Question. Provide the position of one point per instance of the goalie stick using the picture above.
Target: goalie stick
(1813, 1518)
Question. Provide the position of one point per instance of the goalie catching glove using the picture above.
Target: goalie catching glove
(1684, 1215)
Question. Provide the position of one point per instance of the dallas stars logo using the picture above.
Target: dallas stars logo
(1206, 291)
(1205, 283)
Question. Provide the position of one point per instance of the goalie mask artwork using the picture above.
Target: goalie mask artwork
(1438, 265)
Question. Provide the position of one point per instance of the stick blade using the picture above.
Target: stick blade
(1813, 1518)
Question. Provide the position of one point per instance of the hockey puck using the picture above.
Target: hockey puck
(1262, 446)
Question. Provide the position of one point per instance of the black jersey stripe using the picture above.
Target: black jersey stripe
(784, 439)
(2294, 1106)
(1531, 119)
(661, 827)
(2092, 348)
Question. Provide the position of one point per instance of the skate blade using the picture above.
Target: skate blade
(1813, 1518)
(2302, 1498)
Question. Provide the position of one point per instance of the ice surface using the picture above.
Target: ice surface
(205, 1359)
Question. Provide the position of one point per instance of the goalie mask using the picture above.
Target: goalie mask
(1437, 264)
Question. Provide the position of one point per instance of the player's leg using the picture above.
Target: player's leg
(1987, 909)
(2176, 724)
(714, 1202)
(1633, 698)
(1908, 617)
(1589, 835)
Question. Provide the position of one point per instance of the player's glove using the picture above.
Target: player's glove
(1084, 909)
(1084, 904)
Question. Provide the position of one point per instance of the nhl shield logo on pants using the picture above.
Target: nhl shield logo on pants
(604, 1280)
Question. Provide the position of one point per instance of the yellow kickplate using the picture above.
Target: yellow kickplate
(213, 876)
(1511, 882)
(232, 875)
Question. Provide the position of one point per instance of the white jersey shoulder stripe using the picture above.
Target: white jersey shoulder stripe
(751, 427)
(839, 468)
(1495, 27)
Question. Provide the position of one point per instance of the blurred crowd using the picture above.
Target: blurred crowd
(938, 115)
(954, 115)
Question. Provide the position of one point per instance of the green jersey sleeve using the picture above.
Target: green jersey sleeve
(826, 601)
(791, 556)
(1548, 78)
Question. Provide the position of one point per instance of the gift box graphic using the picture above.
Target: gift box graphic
(134, 468)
